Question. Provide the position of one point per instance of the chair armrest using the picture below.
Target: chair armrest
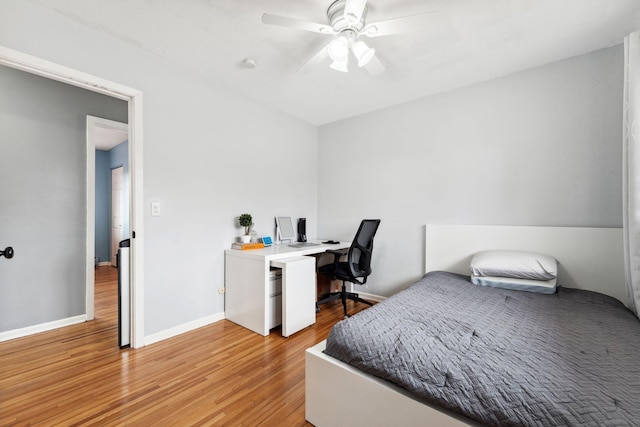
(337, 252)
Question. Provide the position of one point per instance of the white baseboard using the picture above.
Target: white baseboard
(181, 329)
(101, 263)
(370, 297)
(43, 327)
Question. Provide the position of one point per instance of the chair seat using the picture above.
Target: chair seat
(341, 271)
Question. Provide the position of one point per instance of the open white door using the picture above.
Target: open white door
(117, 211)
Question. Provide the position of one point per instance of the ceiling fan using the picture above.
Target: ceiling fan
(348, 24)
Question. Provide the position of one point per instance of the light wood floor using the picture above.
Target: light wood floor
(221, 374)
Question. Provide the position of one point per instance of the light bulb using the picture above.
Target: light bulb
(341, 65)
(339, 49)
(362, 52)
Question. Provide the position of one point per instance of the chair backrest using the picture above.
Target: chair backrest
(359, 257)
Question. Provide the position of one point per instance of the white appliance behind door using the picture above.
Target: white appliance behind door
(124, 296)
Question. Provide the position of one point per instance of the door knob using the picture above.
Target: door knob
(7, 253)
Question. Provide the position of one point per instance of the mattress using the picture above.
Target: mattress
(499, 356)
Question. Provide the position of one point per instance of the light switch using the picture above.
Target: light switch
(155, 208)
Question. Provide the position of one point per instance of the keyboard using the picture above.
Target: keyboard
(303, 244)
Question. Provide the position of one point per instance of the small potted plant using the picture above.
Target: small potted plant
(245, 221)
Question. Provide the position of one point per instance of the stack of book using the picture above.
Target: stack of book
(245, 246)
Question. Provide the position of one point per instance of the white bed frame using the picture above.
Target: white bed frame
(338, 394)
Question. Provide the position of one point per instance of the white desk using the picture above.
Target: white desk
(247, 286)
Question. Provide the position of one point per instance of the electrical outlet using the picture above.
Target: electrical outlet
(221, 291)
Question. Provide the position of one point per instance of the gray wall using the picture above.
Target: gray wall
(42, 196)
(541, 147)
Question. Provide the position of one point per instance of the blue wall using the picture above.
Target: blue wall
(105, 161)
(103, 205)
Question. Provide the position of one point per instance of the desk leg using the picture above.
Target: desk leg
(247, 298)
(298, 294)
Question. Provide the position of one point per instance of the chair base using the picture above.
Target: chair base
(344, 296)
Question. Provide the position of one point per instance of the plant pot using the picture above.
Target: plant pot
(245, 238)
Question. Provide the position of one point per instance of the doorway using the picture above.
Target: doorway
(55, 72)
(112, 190)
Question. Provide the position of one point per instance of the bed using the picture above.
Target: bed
(589, 258)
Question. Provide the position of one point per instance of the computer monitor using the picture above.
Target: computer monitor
(285, 228)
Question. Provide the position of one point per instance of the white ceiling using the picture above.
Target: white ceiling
(466, 41)
(105, 139)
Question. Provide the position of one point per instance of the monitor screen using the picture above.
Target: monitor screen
(285, 228)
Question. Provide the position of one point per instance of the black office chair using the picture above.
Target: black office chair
(357, 267)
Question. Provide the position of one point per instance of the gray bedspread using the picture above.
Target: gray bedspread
(502, 357)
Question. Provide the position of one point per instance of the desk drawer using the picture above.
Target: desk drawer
(275, 282)
(275, 297)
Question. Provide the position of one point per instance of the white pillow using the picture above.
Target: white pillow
(514, 264)
(538, 286)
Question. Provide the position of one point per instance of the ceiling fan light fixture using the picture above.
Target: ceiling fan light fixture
(339, 49)
(362, 52)
(341, 66)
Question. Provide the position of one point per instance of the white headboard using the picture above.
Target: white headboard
(588, 258)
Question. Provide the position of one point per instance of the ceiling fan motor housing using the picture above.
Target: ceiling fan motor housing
(339, 22)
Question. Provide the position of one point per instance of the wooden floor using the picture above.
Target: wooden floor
(221, 374)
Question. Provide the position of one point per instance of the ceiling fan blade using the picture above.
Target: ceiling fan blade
(374, 66)
(283, 21)
(398, 25)
(353, 10)
(316, 59)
